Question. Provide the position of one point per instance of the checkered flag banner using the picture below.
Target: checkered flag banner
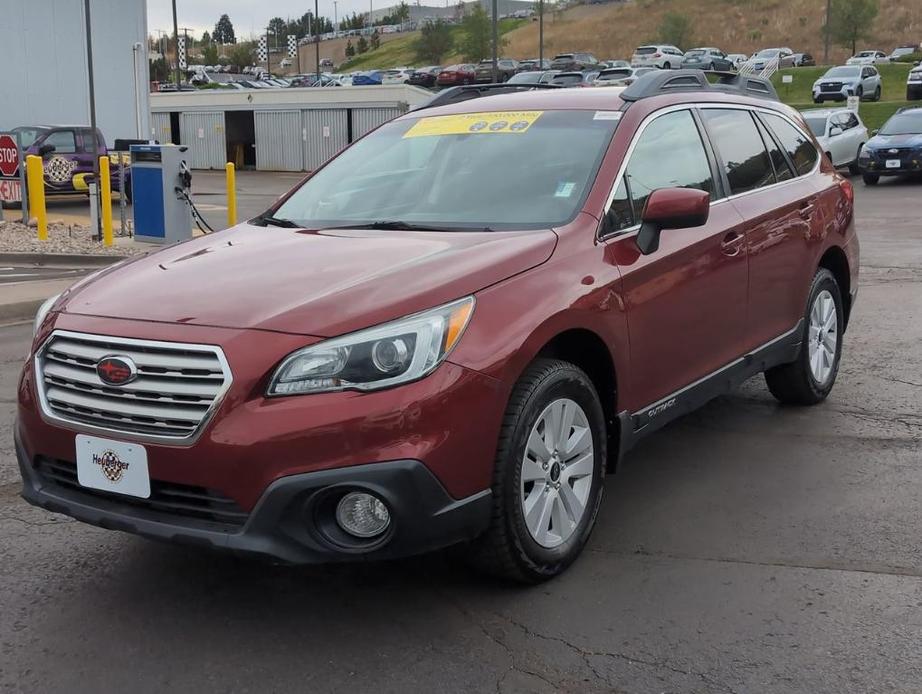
(292, 45)
(261, 51)
(181, 49)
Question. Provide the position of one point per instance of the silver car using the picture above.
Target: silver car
(844, 81)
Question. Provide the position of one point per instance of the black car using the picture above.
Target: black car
(575, 62)
(534, 64)
(575, 79)
(533, 77)
(505, 68)
(425, 76)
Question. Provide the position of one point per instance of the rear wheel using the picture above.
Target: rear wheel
(870, 179)
(547, 483)
(877, 94)
(667, 65)
(853, 167)
(809, 379)
(859, 92)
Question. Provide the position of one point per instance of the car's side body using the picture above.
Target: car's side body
(868, 58)
(707, 59)
(914, 84)
(839, 83)
(841, 136)
(662, 56)
(455, 75)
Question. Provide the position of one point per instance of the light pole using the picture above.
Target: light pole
(317, 41)
(176, 44)
(91, 89)
(335, 16)
(540, 34)
(826, 33)
(495, 38)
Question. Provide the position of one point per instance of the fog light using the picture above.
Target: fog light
(362, 515)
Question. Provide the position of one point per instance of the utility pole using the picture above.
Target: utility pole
(176, 44)
(91, 89)
(826, 33)
(540, 34)
(317, 40)
(268, 54)
(495, 39)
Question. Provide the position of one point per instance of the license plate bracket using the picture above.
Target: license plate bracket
(112, 466)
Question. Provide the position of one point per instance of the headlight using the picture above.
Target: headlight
(42, 312)
(387, 355)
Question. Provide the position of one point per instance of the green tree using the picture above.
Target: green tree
(476, 35)
(375, 40)
(851, 21)
(210, 54)
(676, 30)
(242, 54)
(159, 70)
(206, 39)
(434, 43)
(362, 45)
(350, 49)
(278, 27)
(223, 31)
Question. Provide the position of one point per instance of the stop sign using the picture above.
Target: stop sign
(9, 156)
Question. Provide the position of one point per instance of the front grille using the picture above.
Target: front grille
(834, 87)
(176, 388)
(165, 497)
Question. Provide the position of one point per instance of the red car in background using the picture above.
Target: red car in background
(456, 75)
(388, 367)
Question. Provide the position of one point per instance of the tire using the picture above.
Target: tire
(877, 94)
(859, 92)
(711, 67)
(809, 379)
(817, 101)
(667, 65)
(528, 550)
(870, 179)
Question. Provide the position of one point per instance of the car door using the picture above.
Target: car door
(686, 302)
(837, 140)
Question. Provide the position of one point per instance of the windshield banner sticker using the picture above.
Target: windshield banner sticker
(497, 122)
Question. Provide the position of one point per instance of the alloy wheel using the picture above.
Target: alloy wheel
(823, 337)
(557, 473)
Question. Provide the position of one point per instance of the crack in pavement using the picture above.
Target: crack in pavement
(843, 567)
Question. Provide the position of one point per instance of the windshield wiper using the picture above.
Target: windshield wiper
(397, 225)
(269, 220)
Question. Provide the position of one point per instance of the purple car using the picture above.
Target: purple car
(67, 156)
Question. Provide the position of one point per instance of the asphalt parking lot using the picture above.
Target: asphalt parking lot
(745, 548)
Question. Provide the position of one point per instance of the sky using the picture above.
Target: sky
(248, 16)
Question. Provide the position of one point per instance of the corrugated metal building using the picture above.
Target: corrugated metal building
(275, 129)
(44, 75)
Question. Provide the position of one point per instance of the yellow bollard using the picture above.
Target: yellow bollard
(105, 190)
(231, 194)
(35, 181)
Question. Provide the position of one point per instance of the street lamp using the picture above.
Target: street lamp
(317, 41)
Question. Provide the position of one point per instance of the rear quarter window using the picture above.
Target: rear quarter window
(799, 147)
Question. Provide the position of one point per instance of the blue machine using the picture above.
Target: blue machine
(160, 184)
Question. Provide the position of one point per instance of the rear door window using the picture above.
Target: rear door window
(673, 137)
(799, 147)
(739, 145)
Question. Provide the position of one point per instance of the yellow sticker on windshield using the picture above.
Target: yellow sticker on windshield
(496, 122)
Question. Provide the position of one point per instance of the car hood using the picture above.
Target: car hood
(319, 283)
(885, 141)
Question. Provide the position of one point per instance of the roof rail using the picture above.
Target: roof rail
(671, 81)
(454, 95)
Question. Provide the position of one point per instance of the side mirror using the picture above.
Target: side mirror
(45, 149)
(834, 131)
(671, 208)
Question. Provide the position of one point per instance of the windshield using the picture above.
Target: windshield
(865, 54)
(525, 78)
(695, 51)
(618, 74)
(500, 170)
(568, 78)
(903, 124)
(817, 125)
(768, 53)
(843, 72)
(27, 136)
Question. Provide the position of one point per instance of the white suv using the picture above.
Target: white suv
(868, 58)
(840, 133)
(664, 57)
(914, 84)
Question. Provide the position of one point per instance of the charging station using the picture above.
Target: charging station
(160, 183)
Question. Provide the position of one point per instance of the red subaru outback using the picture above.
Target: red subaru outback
(379, 366)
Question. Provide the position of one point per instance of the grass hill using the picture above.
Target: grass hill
(737, 26)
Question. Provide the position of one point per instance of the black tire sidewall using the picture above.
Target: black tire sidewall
(824, 280)
(565, 383)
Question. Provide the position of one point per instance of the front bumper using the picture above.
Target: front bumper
(910, 163)
(292, 521)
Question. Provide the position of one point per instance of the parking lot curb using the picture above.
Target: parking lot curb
(60, 259)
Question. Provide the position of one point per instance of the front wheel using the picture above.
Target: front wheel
(667, 65)
(809, 379)
(877, 94)
(547, 483)
(853, 168)
(870, 179)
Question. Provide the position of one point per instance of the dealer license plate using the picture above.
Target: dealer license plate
(893, 163)
(112, 466)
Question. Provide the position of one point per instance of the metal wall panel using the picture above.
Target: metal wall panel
(325, 131)
(278, 136)
(203, 133)
(160, 128)
(365, 120)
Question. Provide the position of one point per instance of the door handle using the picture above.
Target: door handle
(732, 243)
